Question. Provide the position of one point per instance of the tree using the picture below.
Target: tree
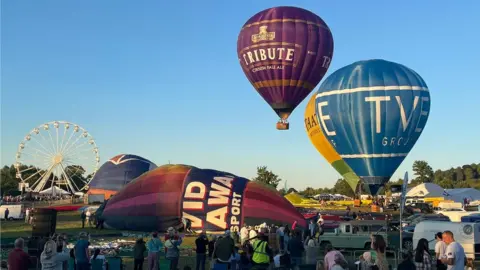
(267, 177)
(422, 171)
(342, 187)
(459, 174)
(469, 173)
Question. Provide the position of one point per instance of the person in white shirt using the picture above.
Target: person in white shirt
(252, 234)
(440, 248)
(89, 215)
(243, 234)
(455, 255)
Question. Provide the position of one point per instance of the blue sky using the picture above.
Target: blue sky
(161, 79)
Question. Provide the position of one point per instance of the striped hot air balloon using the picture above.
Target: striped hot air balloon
(212, 200)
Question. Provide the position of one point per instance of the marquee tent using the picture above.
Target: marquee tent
(54, 190)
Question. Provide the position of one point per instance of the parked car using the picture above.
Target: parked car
(410, 227)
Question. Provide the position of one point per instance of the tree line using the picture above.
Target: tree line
(466, 176)
(9, 180)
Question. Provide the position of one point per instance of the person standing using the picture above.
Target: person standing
(455, 255)
(201, 244)
(172, 250)
(27, 215)
(423, 259)
(17, 258)
(333, 257)
(82, 256)
(295, 248)
(138, 254)
(50, 259)
(440, 248)
(243, 234)
(261, 252)
(7, 212)
(88, 216)
(83, 216)
(224, 249)
(154, 245)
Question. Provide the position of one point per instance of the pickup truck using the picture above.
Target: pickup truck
(356, 234)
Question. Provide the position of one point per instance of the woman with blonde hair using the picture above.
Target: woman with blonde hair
(50, 259)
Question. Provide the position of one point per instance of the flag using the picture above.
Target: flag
(445, 193)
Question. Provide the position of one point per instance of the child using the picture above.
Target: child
(469, 265)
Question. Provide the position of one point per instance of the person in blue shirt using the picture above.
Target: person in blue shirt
(82, 256)
(154, 246)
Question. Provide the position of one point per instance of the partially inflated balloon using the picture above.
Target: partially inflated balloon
(373, 113)
(212, 200)
(324, 147)
(285, 52)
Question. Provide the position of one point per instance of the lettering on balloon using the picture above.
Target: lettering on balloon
(213, 202)
(377, 106)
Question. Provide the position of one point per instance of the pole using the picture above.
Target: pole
(402, 205)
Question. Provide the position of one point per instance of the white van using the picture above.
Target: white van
(16, 211)
(450, 205)
(465, 233)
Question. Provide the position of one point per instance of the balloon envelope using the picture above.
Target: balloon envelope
(285, 52)
(120, 170)
(324, 147)
(212, 200)
(373, 113)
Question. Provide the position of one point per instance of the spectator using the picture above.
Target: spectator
(17, 258)
(224, 249)
(201, 244)
(211, 246)
(296, 249)
(282, 259)
(83, 216)
(82, 256)
(262, 254)
(88, 216)
(470, 264)
(96, 256)
(72, 256)
(243, 234)
(138, 254)
(154, 245)
(27, 215)
(50, 259)
(440, 248)
(423, 259)
(7, 212)
(311, 250)
(252, 233)
(455, 255)
(172, 248)
(235, 260)
(377, 255)
(339, 262)
(407, 263)
(333, 257)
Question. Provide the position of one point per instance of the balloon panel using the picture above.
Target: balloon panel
(285, 52)
(373, 112)
(117, 172)
(324, 147)
(212, 200)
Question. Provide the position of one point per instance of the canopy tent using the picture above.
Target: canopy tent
(54, 190)
(426, 190)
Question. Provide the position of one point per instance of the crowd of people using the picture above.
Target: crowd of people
(33, 198)
(261, 247)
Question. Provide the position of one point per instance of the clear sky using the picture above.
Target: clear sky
(161, 79)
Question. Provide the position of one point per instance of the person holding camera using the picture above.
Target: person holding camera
(201, 249)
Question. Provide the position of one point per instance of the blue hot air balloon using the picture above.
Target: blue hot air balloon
(373, 113)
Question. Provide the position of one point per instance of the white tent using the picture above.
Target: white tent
(426, 190)
(54, 190)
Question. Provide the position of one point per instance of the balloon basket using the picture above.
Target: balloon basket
(283, 126)
(357, 203)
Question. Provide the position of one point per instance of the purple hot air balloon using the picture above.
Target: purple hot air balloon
(285, 52)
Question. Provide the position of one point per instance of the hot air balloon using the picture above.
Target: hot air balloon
(116, 173)
(212, 200)
(373, 113)
(284, 52)
(324, 147)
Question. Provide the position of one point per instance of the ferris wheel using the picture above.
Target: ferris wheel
(57, 154)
